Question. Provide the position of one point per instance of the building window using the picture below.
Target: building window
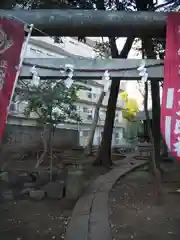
(58, 40)
(14, 107)
(85, 133)
(48, 54)
(94, 95)
(32, 49)
(89, 117)
(116, 117)
(117, 135)
(123, 85)
(85, 109)
(89, 95)
(90, 111)
(36, 50)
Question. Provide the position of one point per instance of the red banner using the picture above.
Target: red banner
(170, 109)
(11, 40)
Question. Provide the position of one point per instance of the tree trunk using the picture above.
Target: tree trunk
(148, 49)
(50, 153)
(155, 171)
(165, 149)
(88, 148)
(104, 154)
(156, 120)
(44, 137)
(155, 92)
(153, 161)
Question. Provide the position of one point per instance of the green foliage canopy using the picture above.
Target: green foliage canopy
(53, 103)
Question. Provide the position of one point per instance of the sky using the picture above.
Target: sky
(160, 1)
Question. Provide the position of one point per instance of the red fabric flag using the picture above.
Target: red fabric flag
(11, 40)
(170, 109)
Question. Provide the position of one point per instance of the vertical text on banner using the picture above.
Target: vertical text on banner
(11, 41)
(170, 108)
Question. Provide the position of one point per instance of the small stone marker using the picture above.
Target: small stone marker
(54, 190)
(37, 194)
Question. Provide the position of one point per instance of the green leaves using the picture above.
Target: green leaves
(53, 103)
(102, 49)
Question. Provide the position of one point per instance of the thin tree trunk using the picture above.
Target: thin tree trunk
(155, 92)
(88, 148)
(148, 50)
(165, 149)
(155, 171)
(50, 152)
(104, 153)
(156, 120)
(45, 145)
(100, 5)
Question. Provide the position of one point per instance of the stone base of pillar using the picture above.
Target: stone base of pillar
(74, 183)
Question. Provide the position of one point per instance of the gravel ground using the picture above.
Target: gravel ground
(136, 213)
(27, 220)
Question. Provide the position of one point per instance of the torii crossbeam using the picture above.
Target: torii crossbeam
(92, 23)
(92, 69)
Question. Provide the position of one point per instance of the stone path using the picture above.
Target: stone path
(90, 215)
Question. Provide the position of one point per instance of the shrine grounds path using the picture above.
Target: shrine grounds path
(90, 217)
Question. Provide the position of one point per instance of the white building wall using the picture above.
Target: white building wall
(85, 110)
(70, 45)
(34, 51)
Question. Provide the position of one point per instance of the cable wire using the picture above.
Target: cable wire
(24, 22)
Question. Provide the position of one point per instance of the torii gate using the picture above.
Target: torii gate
(93, 23)
(89, 69)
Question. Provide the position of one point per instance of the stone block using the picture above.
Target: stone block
(25, 177)
(5, 176)
(54, 190)
(74, 183)
(62, 175)
(7, 195)
(10, 177)
(37, 194)
(25, 191)
(44, 177)
(29, 185)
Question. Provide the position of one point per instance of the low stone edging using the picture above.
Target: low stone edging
(90, 218)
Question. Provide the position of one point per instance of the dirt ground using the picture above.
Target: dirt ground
(135, 212)
(27, 220)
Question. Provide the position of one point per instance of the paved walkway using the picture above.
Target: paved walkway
(90, 215)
